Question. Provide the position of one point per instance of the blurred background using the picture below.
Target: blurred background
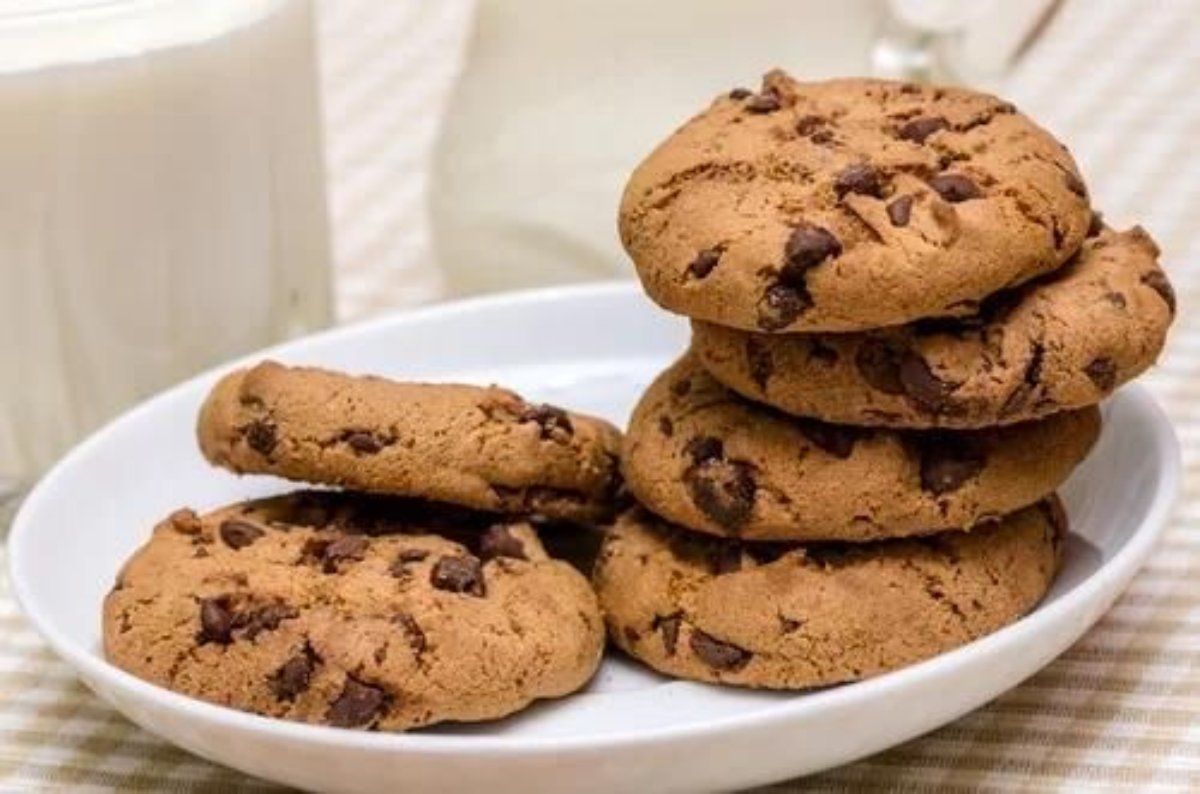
(188, 181)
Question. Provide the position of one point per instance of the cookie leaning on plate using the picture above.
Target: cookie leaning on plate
(849, 204)
(793, 617)
(483, 447)
(703, 457)
(353, 611)
(1064, 341)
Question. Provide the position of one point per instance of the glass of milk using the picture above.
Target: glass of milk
(162, 203)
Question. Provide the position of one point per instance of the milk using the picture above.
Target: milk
(161, 203)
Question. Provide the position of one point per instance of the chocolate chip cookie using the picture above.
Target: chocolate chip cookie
(482, 447)
(701, 456)
(792, 616)
(353, 611)
(849, 204)
(1064, 341)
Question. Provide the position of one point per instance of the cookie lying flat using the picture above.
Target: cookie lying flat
(481, 447)
(793, 617)
(1062, 342)
(355, 612)
(849, 204)
(702, 457)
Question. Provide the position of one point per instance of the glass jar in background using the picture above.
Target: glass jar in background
(162, 203)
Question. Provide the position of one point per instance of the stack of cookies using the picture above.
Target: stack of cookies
(419, 593)
(904, 314)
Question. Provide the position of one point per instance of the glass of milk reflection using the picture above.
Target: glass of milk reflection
(162, 203)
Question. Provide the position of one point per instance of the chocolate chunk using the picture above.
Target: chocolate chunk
(948, 461)
(704, 448)
(758, 359)
(836, 440)
(668, 626)
(879, 364)
(1075, 184)
(925, 388)
(666, 426)
(349, 547)
(295, 676)
(1157, 281)
(554, 421)
(363, 442)
(900, 210)
(725, 557)
(704, 263)
(399, 566)
(807, 247)
(723, 490)
(238, 534)
(499, 541)
(216, 621)
(766, 101)
(955, 188)
(462, 574)
(918, 129)
(1030, 379)
(357, 706)
(260, 436)
(412, 630)
(781, 305)
(807, 125)
(717, 654)
(739, 93)
(1095, 225)
(859, 178)
(1102, 372)
(265, 618)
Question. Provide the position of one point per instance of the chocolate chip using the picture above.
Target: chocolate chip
(1095, 225)
(739, 93)
(925, 388)
(266, 618)
(499, 541)
(462, 574)
(631, 635)
(681, 388)
(704, 263)
(819, 351)
(1030, 379)
(185, 522)
(666, 426)
(260, 436)
(216, 621)
(879, 364)
(239, 534)
(947, 462)
(725, 557)
(758, 359)
(704, 448)
(1116, 299)
(363, 442)
(859, 178)
(788, 625)
(1157, 281)
(554, 421)
(717, 654)
(1075, 184)
(955, 188)
(723, 490)
(357, 706)
(399, 566)
(807, 125)
(412, 630)
(918, 129)
(668, 626)
(781, 305)
(807, 247)
(1102, 372)
(900, 210)
(765, 101)
(821, 137)
(348, 547)
(295, 676)
(836, 440)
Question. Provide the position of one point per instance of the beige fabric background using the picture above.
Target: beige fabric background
(1118, 79)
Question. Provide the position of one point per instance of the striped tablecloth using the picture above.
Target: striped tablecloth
(1119, 79)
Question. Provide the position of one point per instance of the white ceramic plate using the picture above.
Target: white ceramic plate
(593, 349)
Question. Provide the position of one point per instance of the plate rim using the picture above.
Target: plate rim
(89, 666)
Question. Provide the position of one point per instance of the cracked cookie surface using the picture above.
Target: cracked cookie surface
(785, 616)
(849, 204)
(353, 611)
(1062, 342)
(483, 447)
(703, 457)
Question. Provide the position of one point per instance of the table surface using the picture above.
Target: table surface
(1121, 708)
